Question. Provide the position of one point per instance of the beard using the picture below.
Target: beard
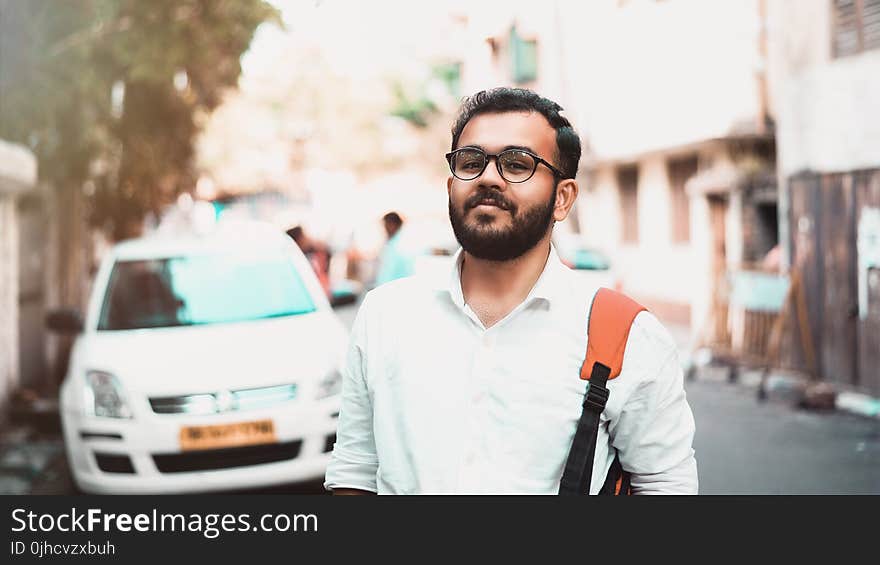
(484, 241)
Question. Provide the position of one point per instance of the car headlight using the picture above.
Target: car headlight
(330, 385)
(104, 396)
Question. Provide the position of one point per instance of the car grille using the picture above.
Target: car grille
(224, 401)
(227, 458)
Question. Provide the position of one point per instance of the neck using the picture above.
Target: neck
(503, 281)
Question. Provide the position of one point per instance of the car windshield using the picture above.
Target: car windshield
(202, 289)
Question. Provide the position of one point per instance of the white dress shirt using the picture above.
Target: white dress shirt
(433, 402)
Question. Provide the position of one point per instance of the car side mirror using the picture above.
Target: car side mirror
(342, 298)
(65, 321)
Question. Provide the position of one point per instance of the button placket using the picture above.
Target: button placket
(476, 410)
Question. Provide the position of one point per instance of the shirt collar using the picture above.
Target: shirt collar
(548, 286)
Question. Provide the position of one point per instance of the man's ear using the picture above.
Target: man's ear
(566, 194)
(449, 184)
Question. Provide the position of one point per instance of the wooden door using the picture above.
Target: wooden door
(718, 225)
(868, 325)
(840, 300)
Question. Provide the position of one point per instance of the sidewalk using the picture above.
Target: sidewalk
(30, 445)
(789, 387)
(783, 386)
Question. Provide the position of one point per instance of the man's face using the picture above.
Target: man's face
(390, 228)
(493, 219)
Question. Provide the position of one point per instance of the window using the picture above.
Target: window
(680, 170)
(628, 185)
(523, 58)
(856, 26)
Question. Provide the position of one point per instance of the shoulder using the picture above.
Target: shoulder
(651, 329)
(650, 344)
(399, 295)
(646, 334)
(414, 286)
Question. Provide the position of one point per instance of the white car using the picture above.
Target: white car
(203, 363)
(591, 264)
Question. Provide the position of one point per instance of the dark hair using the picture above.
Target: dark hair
(393, 218)
(504, 99)
(295, 232)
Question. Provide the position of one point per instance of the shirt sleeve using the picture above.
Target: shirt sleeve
(655, 431)
(353, 463)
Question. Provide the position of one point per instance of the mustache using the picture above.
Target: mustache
(488, 196)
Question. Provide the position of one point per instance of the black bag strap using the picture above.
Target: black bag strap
(579, 465)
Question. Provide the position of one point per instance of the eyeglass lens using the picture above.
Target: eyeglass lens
(515, 165)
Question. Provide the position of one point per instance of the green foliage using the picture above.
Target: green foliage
(414, 104)
(450, 74)
(414, 109)
(50, 95)
(60, 61)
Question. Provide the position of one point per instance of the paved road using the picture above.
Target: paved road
(747, 447)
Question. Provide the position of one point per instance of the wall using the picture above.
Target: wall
(653, 75)
(8, 297)
(828, 110)
(656, 269)
(18, 173)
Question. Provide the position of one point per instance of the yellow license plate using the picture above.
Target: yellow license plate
(227, 435)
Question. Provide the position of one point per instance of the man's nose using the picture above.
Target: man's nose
(491, 178)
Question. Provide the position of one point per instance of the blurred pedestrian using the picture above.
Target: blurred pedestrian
(396, 260)
(317, 252)
(469, 382)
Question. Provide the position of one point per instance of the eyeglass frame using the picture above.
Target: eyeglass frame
(538, 161)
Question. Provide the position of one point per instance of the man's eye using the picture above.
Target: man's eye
(472, 164)
(518, 163)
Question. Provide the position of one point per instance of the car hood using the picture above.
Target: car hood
(193, 359)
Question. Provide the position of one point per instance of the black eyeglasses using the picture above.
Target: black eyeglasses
(514, 165)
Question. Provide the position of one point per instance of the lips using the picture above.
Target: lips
(487, 201)
(494, 203)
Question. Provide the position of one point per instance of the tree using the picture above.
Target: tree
(171, 59)
(51, 94)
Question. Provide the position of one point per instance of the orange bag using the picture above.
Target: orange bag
(611, 316)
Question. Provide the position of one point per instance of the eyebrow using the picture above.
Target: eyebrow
(505, 148)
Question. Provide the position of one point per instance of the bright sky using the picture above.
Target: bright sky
(359, 38)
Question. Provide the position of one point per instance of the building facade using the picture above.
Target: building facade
(825, 84)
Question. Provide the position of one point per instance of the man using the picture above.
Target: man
(395, 261)
(471, 384)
